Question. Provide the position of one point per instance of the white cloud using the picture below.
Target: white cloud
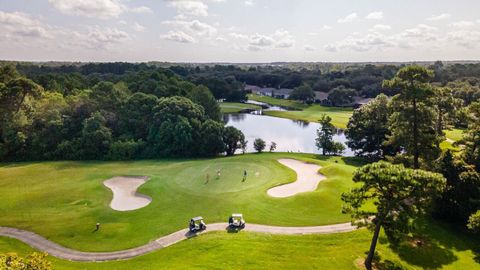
(21, 25)
(141, 9)
(189, 7)
(103, 9)
(283, 39)
(439, 17)
(309, 48)
(178, 36)
(193, 27)
(238, 36)
(259, 40)
(465, 38)
(138, 27)
(377, 15)
(349, 18)
(249, 3)
(381, 27)
(330, 48)
(463, 24)
(326, 27)
(98, 37)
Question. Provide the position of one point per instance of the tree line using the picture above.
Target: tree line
(414, 176)
(148, 114)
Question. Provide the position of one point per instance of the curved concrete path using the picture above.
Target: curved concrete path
(40, 243)
(307, 179)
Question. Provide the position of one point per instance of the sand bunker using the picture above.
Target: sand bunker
(307, 179)
(124, 190)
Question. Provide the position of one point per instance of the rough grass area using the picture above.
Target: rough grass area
(441, 248)
(234, 107)
(303, 112)
(63, 201)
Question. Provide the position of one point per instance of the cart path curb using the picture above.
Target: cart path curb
(42, 244)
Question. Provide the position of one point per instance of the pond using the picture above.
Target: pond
(290, 135)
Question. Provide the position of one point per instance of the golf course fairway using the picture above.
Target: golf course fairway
(62, 201)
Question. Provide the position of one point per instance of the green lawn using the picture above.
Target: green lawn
(309, 113)
(455, 134)
(443, 249)
(63, 200)
(292, 104)
(234, 107)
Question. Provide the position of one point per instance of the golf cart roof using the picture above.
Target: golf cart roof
(197, 218)
(237, 215)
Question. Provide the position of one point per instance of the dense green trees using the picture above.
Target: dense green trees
(400, 195)
(259, 145)
(302, 93)
(340, 96)
(147, 114)
(412, 122)
(325, 140)
(233, 139)
(474, 222)
(368, 129)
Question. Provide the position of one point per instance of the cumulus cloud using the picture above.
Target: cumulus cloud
(21, 25)
(141, 9)
(138, 27)
(421, 35)
(98, 37)
(193, 27)
(178, 36)
(349, 18)
(465, 38)
(439, 17)
(463, 24)
(189, 7)
(259, 40)
(279, 39)
(377, 15)
(309, 48)
(249, 3)
(103, 9)
(381, 27)
(283, 39)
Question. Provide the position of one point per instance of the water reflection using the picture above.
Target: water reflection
(290, 136)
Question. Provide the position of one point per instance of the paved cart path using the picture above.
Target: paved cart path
(40, 243)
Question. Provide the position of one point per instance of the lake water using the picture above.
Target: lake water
(290, 135)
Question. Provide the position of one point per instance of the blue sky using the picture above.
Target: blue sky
(239, 30)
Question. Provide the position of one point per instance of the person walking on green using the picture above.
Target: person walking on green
(244, 175)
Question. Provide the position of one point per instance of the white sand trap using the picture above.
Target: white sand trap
(125, 197)
(307, 179)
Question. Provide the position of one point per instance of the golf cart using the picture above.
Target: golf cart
(197, 224)
(236, 221)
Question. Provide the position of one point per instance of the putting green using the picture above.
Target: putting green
(63, 201)
(203, 177)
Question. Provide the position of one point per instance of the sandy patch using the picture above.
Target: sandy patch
(125, 196)
(307, 179)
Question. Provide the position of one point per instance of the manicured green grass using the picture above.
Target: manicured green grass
(234, 107)
(442, 249)
(309, 113)
(455, 134)
(340, 116)
(63, 200)
(292, 104)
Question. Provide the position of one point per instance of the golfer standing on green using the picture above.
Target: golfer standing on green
(244, 175)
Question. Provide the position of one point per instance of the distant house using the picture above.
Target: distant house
(322, 98)
(282, 93)
(360, 101)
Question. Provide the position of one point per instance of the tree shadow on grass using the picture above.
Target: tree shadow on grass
(424, 252)
(432, 246)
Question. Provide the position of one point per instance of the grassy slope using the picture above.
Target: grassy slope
(309, 113)
(443, 249)
(454, 135)
(63, 200)
(234, 107)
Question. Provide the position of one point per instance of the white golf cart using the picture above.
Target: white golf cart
(236, 221)
(197, 224)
